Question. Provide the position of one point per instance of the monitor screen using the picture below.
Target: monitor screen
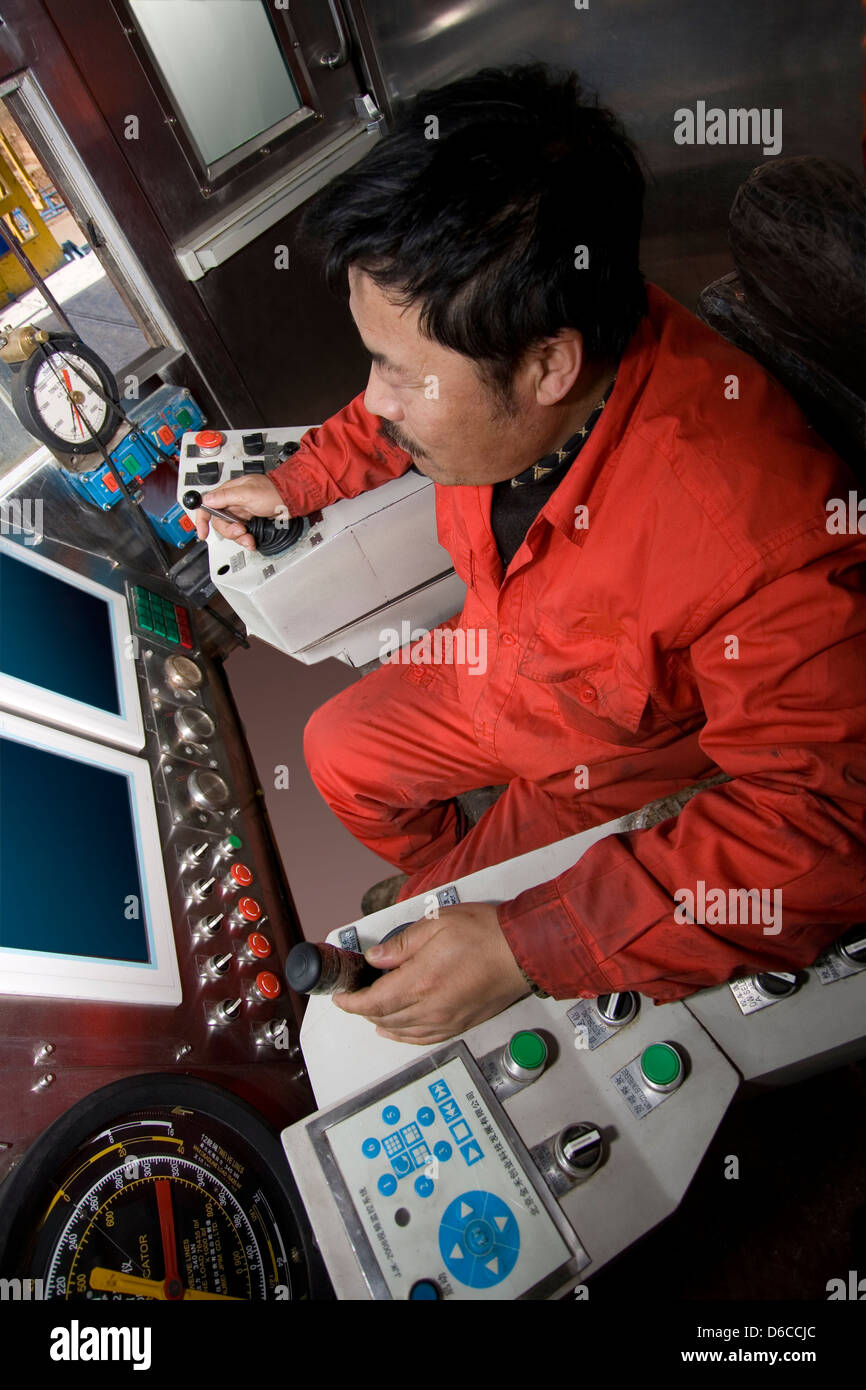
(77, 660)
(84, 910)
(66, 649)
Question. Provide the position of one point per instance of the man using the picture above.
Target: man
(640, 515)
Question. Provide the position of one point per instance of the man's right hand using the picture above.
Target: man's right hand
(243, 497)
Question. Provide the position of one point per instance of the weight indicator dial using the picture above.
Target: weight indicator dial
(65, 395)
(186, 1198)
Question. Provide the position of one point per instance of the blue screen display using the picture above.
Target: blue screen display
(69, 875)
(56, 636)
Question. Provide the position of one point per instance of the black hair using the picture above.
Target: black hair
(481, 227)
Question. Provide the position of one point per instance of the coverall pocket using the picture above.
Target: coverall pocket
(587, 674)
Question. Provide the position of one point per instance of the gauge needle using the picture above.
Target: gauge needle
(76, 416)
(109, 1281)
(169, 1242)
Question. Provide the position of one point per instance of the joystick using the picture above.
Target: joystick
(271, 537)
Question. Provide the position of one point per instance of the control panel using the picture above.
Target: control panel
(781, 1026)
(515, 1161)
(142, 452)
(219, 909)
(332, 582)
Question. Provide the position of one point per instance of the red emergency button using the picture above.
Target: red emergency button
(249, 909)
(166, 434)
(241, 875)
(258, 945)
(587, 694)
(268, 984)
(209, 439)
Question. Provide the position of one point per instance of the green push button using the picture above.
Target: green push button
(528, 1050)
(184, 419)
(233, 842)
(661, 1065)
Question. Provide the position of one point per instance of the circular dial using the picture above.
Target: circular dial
(65, 395)
(158, 1188)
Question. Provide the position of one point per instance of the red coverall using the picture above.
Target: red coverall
(609, 648)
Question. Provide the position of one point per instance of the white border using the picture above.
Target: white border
(46, 974)
(126, 730)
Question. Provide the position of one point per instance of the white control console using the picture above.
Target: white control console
(515, 1161)
(361, 568)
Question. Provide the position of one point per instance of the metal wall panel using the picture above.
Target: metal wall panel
(646, 58)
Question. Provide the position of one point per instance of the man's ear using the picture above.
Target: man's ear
(558, 363)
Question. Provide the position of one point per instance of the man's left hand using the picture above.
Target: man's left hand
(446, 974)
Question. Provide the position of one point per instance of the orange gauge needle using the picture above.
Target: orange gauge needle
(76, 415)
(173, 1285)
(109, 1281)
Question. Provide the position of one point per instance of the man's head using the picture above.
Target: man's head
(490, 248)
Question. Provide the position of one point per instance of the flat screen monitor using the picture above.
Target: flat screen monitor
(84, 911)
(66, 649)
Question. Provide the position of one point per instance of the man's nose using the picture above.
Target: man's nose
(378, 400)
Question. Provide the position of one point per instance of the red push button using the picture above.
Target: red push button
(268, 984)
(110, 482)
(241, 875)
(587, 694)
(258, 945)
(249, 909)
(166, 434)
(209, 439)
(187, 523)
(507, 639)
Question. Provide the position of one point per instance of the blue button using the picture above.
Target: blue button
(472, 1153)
(443, 1150)
(479, 1239)
(402, 1164)
(439, 1090)
(390, 1114)
(461, 1131)
(370, 1148)
(387, 1184)
(450, 1110)
(423, 1186)
(426, 1289)
(420, 1155)
(411, 1135)
(425, 1115)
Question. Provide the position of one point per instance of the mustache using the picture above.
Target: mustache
(396, 436)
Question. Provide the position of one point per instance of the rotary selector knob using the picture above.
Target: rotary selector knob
(775, 984)
(207, 789)
(195, 854)
(852, 945)
(577, 1149)
(219, 965)
(525, 1057)
(194, 724)
(616, 1009)
(228, 1010)
(182, 674)
(209, 926)
(203, 887)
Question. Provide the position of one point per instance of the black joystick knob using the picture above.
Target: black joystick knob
(319, 968)
(271, 537)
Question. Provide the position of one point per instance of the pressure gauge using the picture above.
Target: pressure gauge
(66, 396)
